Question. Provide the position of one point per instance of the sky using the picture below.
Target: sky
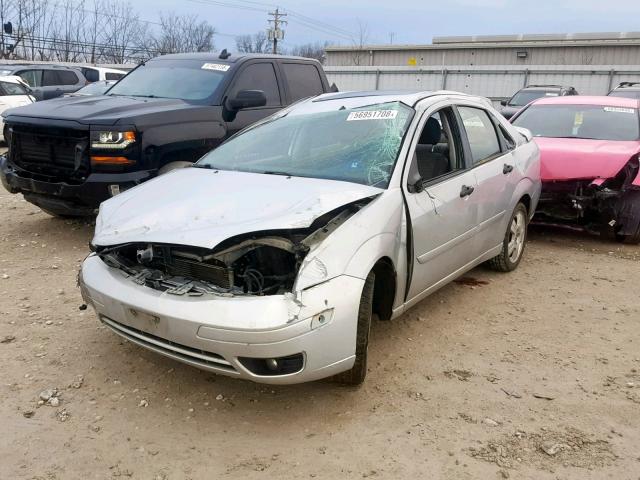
(401, 21)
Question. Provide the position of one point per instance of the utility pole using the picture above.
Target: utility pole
(275, 32)
(391, 37)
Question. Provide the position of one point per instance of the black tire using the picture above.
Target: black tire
(357, 373)
(506, 262)
(629, 239)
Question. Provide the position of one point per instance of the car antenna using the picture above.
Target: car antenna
(224, 54)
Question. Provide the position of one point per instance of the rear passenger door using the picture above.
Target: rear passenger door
(303, 80)
(255, 76)
(491, 150)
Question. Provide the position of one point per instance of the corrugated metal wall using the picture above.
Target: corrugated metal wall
(496, 82)
(498, 55)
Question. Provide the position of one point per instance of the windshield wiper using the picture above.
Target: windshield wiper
(204, 165)
(276, 172)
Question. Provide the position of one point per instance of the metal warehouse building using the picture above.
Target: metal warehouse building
(492, 66)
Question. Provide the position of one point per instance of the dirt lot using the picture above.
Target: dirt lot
(533, 375)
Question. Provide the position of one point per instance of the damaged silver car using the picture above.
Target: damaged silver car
(268, 259)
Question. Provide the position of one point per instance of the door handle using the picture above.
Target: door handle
(466, 191)
(507, 168)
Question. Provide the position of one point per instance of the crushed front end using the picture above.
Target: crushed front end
(607, 206)
(234, 309)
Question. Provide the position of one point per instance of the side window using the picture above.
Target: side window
(67, 77)
(303, 80)
(113, 76)
(12, 89)
(259, 76)
(481, 133)
(50, 78)
(90, 74)
(32, 77)
(439, 149)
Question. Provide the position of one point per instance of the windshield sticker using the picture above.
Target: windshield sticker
(619, 110)
(218, 67)
(372, 115)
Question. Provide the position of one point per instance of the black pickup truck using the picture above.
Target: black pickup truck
(67, 155)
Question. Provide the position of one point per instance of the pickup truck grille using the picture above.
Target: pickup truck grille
(61, 153)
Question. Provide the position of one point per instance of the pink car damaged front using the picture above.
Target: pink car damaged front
(590, 149)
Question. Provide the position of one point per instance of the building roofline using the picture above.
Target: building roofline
(510, 41)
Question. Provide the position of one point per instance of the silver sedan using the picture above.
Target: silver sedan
(268, 259)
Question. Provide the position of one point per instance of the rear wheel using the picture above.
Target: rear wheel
(357, 373)
(514, 242)
(629, 239)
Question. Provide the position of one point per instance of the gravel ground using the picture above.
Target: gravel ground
(531, 375)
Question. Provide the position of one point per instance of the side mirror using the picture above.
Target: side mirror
(503, 103)
(248, 99)
(525, 132)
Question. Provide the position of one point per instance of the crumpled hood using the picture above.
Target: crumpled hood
(202, 208)
(101, 110)
(573, 158)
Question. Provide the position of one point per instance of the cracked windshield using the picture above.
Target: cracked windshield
(358, 145)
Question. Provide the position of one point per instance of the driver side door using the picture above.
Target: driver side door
(443, 219)
(255, 76)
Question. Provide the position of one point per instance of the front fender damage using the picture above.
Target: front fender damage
(256, 263)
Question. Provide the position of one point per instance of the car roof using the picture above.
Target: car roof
(408, 97)
(545, 87)
(232, 58)
(18, 66)
(588, 100)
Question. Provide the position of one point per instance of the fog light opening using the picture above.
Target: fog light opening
(269, 367)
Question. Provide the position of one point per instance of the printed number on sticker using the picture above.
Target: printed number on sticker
(373, 115)
(619, 110)
(219, 67)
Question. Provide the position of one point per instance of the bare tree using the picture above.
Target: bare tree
(310, 50)
(123, 33)
(181, 34)
(361, 39)
(256, 43)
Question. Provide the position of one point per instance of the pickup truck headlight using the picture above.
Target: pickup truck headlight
(111, 140)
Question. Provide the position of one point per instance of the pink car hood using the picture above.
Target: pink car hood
(574, 158)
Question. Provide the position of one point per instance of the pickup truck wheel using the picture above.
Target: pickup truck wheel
(173, 166)
(514, 242)
(357, 373)
(629, 239)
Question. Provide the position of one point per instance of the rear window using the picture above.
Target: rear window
(303, 79)
(525, 97)
(595, 122)
(67, 77)
(91, 74)
(113, 76)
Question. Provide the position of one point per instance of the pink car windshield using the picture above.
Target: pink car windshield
(595, 122)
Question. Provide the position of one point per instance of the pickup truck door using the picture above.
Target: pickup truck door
(255, 76)
(443, 217)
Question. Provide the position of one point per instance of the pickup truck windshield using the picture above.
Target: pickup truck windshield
(593, 122)
(183, 79)
(353, 145)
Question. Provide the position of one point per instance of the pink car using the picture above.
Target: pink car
(589, 150)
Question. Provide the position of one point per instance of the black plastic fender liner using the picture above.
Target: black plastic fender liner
(628, 212)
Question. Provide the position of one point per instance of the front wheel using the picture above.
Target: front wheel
(357, 373)
(514, 242)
